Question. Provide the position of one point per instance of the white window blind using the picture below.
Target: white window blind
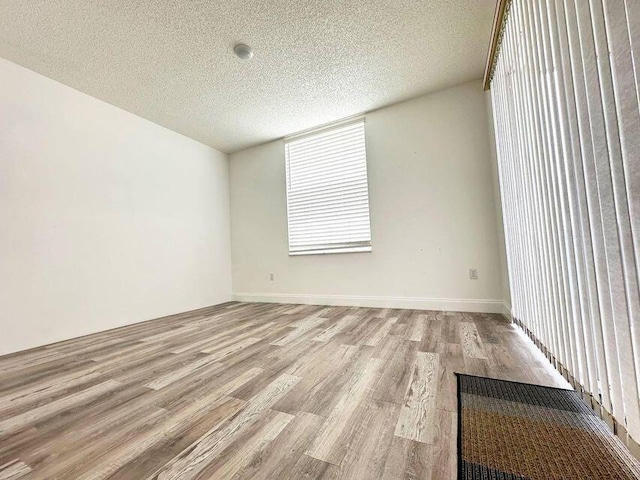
(327, 192)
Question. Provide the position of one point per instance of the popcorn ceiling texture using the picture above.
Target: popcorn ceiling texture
(315, 60)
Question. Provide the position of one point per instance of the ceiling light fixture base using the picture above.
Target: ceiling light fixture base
(243, 51)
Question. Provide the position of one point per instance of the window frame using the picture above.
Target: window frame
(357, 247)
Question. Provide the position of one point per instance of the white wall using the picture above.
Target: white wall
(433, 215)
(504, 271)
(107, 219)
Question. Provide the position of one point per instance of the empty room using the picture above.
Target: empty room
(278, 239)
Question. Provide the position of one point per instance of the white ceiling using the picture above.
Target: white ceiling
(315, 60)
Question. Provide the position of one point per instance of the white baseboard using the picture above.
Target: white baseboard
(415, 303)
(506, 310)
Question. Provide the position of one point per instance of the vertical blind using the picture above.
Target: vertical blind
(327, 192)
(566, 101)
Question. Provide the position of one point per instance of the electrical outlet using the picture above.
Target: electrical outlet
(271, 276)
(473, 274)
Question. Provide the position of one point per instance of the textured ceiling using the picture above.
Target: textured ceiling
(315, 60)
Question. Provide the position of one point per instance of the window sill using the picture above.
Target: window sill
(331, 250)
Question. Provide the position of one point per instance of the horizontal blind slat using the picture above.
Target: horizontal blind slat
(328, 152)
(313, 179)
(336, 141)
(324, 137)
(344, 159)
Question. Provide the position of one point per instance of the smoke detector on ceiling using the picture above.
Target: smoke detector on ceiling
(243, 51)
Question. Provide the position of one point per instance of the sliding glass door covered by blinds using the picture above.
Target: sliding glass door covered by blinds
(327, 191)
(566, 105)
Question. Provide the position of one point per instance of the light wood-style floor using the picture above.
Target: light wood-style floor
(255, 391)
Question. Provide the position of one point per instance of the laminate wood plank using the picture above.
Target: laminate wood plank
(182, 372)
(69, 462)
(249, 357)
(499, 356)
(174, 424)
(27, 360)
(146, 440)
(444, 458)
(309, 467)
(470, 339)
(178, 398)
(253, 331)
(118, 364)
(221, 353)
(403, 315)
(283, 453)
(326, 446)
(387, 348)
(367, 452)
(72, 426)
(248, 448)
(451, 362)
(14, 470)
(336, 328)
(122, 355)
(433, 336)
(321, 382)
(447, 389)
(31, 374)
(35, 392)
(143, 441)
(91, 434)
(297, 309)
(149, 368)
(324, 394)
(397, 372)
(379, 334)
(360, 331)
(299, 331)
(222, 320)
(17, 422)
(257, 385)
(491, 327)
(98, 341)
(409, 460)
(417, 328)
(169, 334)
(418, 409)
(451, 355)
(94, 347)
(399, 329)
(203, 341)
(282, 357)
(450, 327)
(194, 459)
(170, 445)
(311, 321)
(478, 366)
(318, 362)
